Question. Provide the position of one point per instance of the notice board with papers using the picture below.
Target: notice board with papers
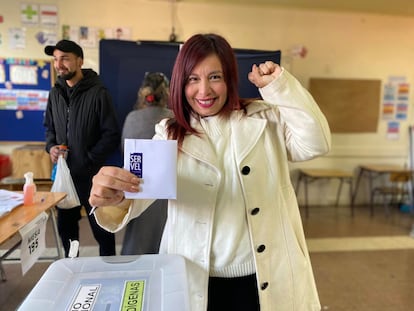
(24, 89)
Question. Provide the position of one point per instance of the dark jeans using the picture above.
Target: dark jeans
(68, 223)
(233, 294)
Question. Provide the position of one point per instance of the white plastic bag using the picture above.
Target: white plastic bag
(63, 183)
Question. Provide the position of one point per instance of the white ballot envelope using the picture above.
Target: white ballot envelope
(155, 161)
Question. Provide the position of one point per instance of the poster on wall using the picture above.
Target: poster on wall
(49, 15)
(395, 99)
(393, 130)
(17, 38)
(122, 33)
(29, 14)
(90, 36)
(46, 37)
(395, 104)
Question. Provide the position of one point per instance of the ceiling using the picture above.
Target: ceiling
(394, 7)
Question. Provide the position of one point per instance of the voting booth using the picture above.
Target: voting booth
(140, 283)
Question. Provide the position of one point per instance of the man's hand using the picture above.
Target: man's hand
(54, 153)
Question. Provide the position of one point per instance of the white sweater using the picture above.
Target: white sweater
(228, 259)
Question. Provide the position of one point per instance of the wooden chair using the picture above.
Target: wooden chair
(396, 190)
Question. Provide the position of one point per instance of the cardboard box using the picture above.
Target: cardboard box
(31, 158)
(140, 283)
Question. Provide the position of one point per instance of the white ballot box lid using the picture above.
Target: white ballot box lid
(141, 283)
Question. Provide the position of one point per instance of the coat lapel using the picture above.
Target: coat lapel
(196, 146)
(246, 131)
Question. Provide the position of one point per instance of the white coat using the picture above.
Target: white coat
(286, 126)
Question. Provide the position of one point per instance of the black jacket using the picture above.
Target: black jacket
(84, 119)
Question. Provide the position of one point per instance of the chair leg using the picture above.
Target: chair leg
(388, 204)
(338, 193)
(372, 203)
(350, 196)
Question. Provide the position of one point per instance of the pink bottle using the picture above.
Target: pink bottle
(29, 189)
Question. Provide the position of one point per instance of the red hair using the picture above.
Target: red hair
(194, 50)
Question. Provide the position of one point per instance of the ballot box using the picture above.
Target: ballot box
(128, 283)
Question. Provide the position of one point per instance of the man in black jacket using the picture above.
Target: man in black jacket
(80, 115)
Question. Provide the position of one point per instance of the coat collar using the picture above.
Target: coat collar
(245, 132)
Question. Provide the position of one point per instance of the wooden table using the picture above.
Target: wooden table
(371, 172)
(16, 184)
(11, 223)
(310, 175)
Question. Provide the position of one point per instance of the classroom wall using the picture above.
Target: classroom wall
(340, 45)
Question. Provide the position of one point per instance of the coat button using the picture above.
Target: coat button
(264, 285)
(261, 248)
(245, 170)
(255, 211)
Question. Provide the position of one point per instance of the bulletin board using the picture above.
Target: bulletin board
(350, 105)
(24, 89)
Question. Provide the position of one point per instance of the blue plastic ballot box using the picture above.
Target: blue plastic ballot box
(121, 283)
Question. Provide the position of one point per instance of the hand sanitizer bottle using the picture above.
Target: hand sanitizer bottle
(29, 189)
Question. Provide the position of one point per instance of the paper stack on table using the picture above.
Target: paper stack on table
(9, 200)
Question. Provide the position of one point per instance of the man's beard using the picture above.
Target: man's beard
(68, 76)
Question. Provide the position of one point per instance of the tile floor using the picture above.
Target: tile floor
(360, 264)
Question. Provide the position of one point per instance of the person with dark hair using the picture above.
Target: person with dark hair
(143, 234)
(80, 115)
(236, 219)
(153, 91)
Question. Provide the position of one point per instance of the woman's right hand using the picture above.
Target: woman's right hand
(109, 184)
(264, 73)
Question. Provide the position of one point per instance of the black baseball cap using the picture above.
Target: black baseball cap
(65, 46)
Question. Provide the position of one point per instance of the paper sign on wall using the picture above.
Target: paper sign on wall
(155, 161)
(33, 241)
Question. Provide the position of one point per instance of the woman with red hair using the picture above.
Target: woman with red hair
(236, 219)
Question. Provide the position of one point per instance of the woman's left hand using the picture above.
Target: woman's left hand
(265, 73)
